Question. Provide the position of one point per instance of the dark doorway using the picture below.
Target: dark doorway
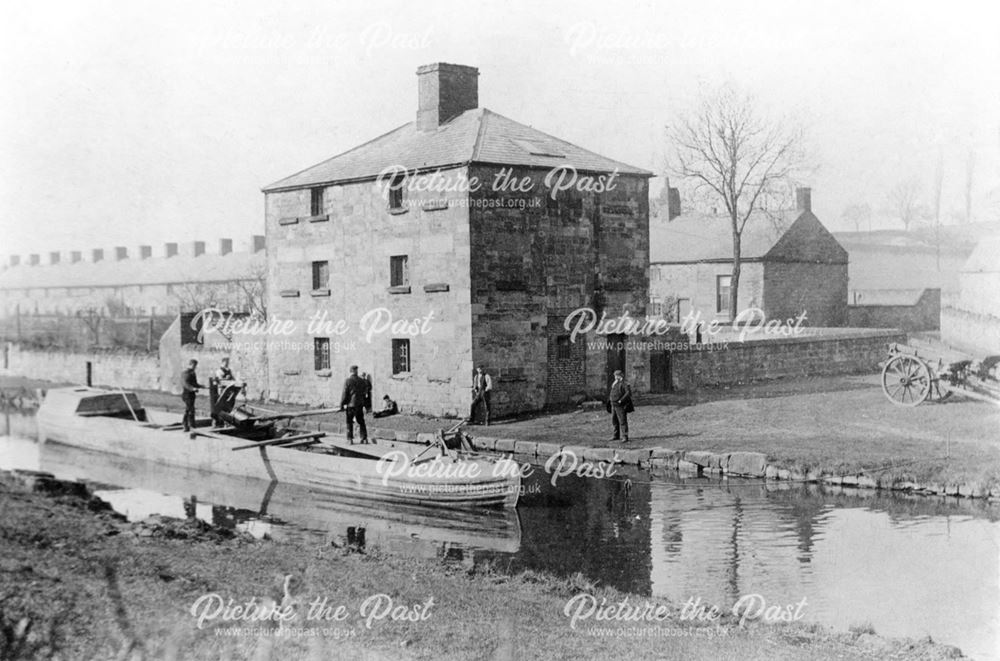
(616, 356)
(659, 372)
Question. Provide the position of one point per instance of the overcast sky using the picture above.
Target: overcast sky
(127, 123)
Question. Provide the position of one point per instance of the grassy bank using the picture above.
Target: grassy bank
(78, 582)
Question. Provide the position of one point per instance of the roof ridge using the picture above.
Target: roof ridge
(477, 145)
(336, 156)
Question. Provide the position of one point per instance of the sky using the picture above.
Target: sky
(128, 123)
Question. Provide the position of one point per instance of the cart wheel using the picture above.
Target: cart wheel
(906, 381)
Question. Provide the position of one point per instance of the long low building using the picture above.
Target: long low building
(182, 277)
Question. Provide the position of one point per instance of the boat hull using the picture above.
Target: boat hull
(438, 482)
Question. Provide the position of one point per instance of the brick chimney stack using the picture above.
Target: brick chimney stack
(803, 199)
(445, 91)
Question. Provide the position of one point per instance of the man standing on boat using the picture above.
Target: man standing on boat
(354, 400)
(482, 390)
(189, 390)
(620, 402)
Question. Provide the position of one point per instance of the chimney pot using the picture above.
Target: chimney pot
(445, 91)
(170, 249)
(121, 253)
(225, 246)
(54, 258)
(803, 199)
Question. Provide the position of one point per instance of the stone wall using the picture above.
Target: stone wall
(357, 234)
(855, 352)
(818, 289)
(114, 369)
(924, 315)
(534, 260)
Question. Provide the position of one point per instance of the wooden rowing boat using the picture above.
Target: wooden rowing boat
(270, 449)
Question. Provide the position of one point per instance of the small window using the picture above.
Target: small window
(723, 284)
(316, 203)
(321, 353)
(399, 271)
(564, 350)
(320, 275)
(400, 356)
(396, 192)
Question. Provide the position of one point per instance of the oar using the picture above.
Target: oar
(282, 440)
(299, 414)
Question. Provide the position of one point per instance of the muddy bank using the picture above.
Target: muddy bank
(77, 581)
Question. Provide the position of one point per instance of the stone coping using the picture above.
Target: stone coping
(734, 464)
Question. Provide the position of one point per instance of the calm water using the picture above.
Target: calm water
(907, 566)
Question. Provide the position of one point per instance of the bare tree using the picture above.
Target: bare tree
(904, 202)
(254, 289)
(858, 215)
(970, 167)
(736, 156)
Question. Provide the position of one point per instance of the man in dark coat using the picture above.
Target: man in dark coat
(482, 391)
(356, 397)
(620, 400)
(189, 390)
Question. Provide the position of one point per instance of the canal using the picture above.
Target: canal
(903, 565)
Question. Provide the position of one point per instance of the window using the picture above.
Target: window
(321, 353)
(399, 271)
(400, 356)
(321, 275)
(316, 203)
(564, 350)
(723, 283)
(396, 192)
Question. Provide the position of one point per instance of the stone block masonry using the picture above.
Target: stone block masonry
(846, 352)
(124, 369)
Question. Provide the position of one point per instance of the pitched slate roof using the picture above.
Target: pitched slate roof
(985, 258)
(475, 136)
(129, 272)
(784, 236)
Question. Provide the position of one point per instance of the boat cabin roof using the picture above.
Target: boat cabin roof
(84, 401)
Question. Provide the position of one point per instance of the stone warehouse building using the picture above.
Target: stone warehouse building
(790, 264)
(114, 282)
(472, 250)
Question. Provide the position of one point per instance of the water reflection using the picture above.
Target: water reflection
(908, 566)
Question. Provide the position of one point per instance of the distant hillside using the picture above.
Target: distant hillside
(894, 259)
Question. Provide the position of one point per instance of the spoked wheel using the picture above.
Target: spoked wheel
(906, 380)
